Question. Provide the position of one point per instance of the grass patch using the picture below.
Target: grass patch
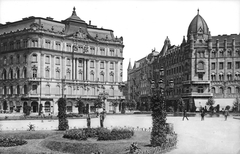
(29, 134)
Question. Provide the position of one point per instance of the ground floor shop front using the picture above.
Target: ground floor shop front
(50, 105)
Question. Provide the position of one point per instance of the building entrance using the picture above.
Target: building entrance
(34, 106)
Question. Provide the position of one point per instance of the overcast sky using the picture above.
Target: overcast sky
(143, 24)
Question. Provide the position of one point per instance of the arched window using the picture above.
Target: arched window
(92, 76)
(4, 74)
(11, 59)
(111, 91)
(92, 64)
(47, 107)
(11, 90)
(47, 72)
(17, 73)
(68, 62)
(101, 77)
(229, 90)
(213, 90)
(24, 72)
(111, 65)
(221, 90)
(80, 75)
(18, 89)
(34, 73)
(237, 91)
(111, 77)
(34, 58)
(68, 73)
(10, 73)
(57, 61)
(25, 90)
(200, 65)
(58, 91)
(57, 73)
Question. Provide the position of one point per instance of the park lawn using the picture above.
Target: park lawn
(52, 142)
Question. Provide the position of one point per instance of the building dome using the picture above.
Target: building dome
(198, 26)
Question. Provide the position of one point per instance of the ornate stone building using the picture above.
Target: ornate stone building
(202, 67)
(42, 60)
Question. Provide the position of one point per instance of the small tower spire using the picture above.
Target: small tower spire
(129, 65)
(198, 11)
(74, 11)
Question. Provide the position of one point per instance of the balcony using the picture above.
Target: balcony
(195, 94)
(186, 82)
(200, 82)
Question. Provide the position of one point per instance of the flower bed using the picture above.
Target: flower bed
(99, 133)
(11, 141)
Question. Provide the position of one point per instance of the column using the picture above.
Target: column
(84, 70)
(116, 74)
(107, 72)
(96, 70)
(41, 65)
(87, 69)
(63, 70)
(76, 72)
(52, 68)
(73, 69)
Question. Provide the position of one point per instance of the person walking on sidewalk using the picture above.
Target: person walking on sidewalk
(226, 113)
(185, 114)
(202, 114)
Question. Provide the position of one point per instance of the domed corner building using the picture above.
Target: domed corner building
(202, 67)
(42, 60)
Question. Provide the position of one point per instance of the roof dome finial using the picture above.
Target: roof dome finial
(198, 11)
(74, 12)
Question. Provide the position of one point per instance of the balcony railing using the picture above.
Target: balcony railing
(200, 82)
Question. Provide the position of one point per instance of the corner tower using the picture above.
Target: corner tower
(198, 28)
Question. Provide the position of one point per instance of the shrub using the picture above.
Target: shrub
(115, 134)
(63, 122)
(100, 133)
(11, 141)
(26, 110)
(75, 134)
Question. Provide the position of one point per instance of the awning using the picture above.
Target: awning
(223, 102)
(200, 102)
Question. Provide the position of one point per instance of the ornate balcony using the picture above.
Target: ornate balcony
(200, 82)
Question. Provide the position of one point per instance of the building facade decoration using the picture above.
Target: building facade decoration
(202, 67)
(42, 60)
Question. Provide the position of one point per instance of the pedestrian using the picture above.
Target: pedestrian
(202, 114)
(101, 119)
(185, 114)
(226, 113)
(88, 121)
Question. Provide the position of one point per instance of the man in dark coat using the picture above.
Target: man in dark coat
(185, 114)
(202, 114)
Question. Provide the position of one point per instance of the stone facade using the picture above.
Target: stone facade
(202, 67)
(42, 60)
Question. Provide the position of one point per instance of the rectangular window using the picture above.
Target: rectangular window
(92, 50)
(229, 52)
(34, 43)
(25, 43)
(58, 46)
(68, 47)
(111, 65)
(68, 62)
(213, 66)
(229, 65)
(48, 44)
(111, 52)
(200, 77)
(11, 45)
(238, 53)
(80, 63)
(57, 61)
(221, 65)
(213, 54)
(237, 65)
(92, 64)
(102, 50)
(47, 60)
(18, 45)
(34, 89)
(102, 65)
(221, 53)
